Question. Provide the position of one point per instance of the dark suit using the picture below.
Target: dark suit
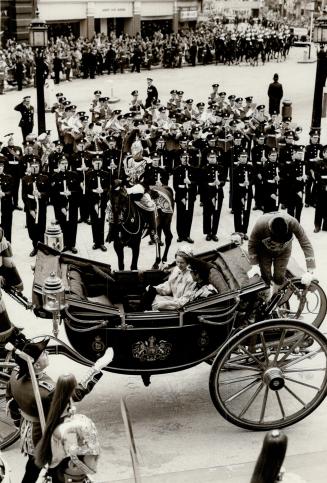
(27, 120)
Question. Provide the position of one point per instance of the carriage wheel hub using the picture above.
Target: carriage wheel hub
(274, 378)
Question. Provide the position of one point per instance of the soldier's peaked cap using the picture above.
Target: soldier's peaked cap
(34, 350)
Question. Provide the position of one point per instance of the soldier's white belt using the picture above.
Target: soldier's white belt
(13, 162)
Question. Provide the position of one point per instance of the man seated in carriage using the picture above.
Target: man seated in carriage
(133, 179)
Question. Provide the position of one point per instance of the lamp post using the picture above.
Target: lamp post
(53, 295)
(319, 36)
(39, 40)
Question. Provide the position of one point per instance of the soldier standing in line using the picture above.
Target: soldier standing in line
(81, 165)
(14, 167)
(97, 189)
(259, 158)
(26, 122)
(213, 179)
(65, 194)
(6, 200)
(320, 174)
(35, 193)
(185, 181)
(111, 157)
(294, 178)
(242, 193)
(271, 180)
(312, 156)
(54, 158)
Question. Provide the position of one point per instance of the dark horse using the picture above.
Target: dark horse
(128, 224)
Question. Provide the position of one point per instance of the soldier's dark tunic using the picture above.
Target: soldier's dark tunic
(320, 172)
(66, 207)
(213, 180)
(185, 180)
(270, 187)
(15, 168)
(259, 158)
(6, 204)
(97, 202)
(242, 196)
(36, 208)
(312, 154)
(81, 165)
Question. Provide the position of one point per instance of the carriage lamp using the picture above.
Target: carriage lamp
(319, 37)
(53, 295)
(53, 236)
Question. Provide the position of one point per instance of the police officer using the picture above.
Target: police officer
(35, 193)
(97, 189)
(185, 181)
(6, 200)
(271, 182)
(152, 93)
(65, 194)
(26, 122)
(243, 181)
(213, 180)
(14, 166)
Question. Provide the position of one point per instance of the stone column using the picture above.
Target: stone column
(90, 10)
(137, 18)
(103, 26)
(175, 17)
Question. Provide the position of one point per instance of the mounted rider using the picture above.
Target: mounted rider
(134, 167)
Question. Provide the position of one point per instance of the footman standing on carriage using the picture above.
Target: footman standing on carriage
(22, 400)
(97, 189)
(35, 194)
(270, 248)
(65, 194)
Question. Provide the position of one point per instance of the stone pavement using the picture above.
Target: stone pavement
(179, 434)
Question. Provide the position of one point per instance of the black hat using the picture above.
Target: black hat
(34, 350)
(162, 109)
(249, 98)
(239, 99)
(180, 93)
(279, 230)
(173, 91)
(200, 104)
(57, 142)
(155, 155)
(273, 150)
(201, 267)
(117, 111)
(222, 93)
(84, 118)
(232, 97)
(261, 135)
(149, 79)
(314, 132)
(260, 107)
(26, 98)
(110, 139)
(97, 93)
(215, 85)
(62, 99)
(289, 134)
(189, 101)
(59, 94)
(135, 93)
(287, 119)
(211, 137)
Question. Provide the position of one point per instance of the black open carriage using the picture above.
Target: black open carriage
(269, 361)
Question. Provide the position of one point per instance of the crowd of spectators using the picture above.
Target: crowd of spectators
(68, 57)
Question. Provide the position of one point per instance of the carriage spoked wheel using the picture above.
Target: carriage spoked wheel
(304, 303)
(285, 381)
(9, 433)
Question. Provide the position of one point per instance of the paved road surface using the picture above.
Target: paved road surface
(179, 434)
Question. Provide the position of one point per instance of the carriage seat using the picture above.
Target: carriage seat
(88, 286)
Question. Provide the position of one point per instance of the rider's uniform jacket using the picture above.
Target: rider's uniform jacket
(261, 236)
(135, 182)
(20, 394)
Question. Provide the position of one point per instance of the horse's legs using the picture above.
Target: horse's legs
(119, 249)
(135, 253)
(168, 237)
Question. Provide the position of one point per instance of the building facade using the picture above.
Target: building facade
(233, 8)
(85, 18)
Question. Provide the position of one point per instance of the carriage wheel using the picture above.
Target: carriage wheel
(270, 375)
(312, 309)
(9, 434)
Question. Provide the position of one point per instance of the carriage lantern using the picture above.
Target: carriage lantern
(53, 295)
(53, 236)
